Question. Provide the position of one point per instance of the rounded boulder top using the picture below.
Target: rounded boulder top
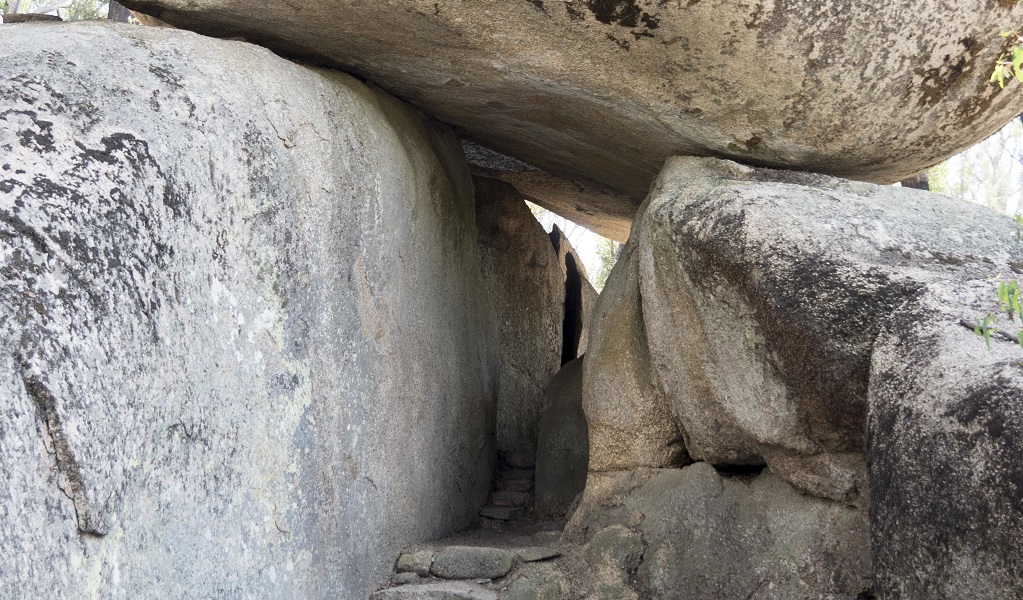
(603, 91)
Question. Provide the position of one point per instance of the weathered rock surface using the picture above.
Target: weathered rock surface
(580, 298)
(246, 342)
(537, 553)
(630, 421)
(691, 533)
(453, 590)
(473, 562)
(416, 562)
(604, 91)
(523, 276)
(596, 207)
(945, 447)
(762, 294)
(563, 448)
(12, 18)
(535, 588)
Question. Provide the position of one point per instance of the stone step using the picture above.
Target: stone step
(537, 553)
(448, 590)
(494, 524)
(514, 485)
(473, 562)
(516, 474)
(501, 513)
(511, 498)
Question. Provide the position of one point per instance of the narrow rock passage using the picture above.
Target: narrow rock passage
(511, 498)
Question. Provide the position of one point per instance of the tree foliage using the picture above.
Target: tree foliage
(608, 252)
(69, 10)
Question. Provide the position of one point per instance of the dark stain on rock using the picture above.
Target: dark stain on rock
(616, 12)
(625, 13)
(623, 44)
(166, 76)
(937, 81)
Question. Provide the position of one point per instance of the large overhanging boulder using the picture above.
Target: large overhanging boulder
(604, 91)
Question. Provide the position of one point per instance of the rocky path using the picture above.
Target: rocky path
(512, 555)
(511, 498)
(518, 562)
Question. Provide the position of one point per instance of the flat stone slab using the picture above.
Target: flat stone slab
(537, 553)
(448, 590)
(515, 485)
(511, 498)
(501, 513)
(517, 474)
(416, 562)
(405, 578)
(473, 562)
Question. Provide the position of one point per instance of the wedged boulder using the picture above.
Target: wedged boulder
(563, 447)
(596, 207)
(523, 276)
(629, 419)
(604, 91)
(693, 533)
(762, 294)
(945, 448)
(247, 347)
(580, 298)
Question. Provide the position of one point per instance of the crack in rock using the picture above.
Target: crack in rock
(70, 480)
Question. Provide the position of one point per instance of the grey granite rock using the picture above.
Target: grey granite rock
(537, 553)
(945, 449)
(472, 562)
(247, 349)
(452, 590)
(563, 448)
(677, 534)
(416, 562)
(523, 276)
(762, 294)
(630, 421)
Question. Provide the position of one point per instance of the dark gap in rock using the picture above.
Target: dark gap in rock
(572, 328)
(739, 470)
(555, 236)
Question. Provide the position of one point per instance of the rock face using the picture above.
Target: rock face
(563, 446)
(762, 293)
(945, 448)
(630, 420)
(604, 91)
(524, 278)
(247, 345)
(691, 533)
